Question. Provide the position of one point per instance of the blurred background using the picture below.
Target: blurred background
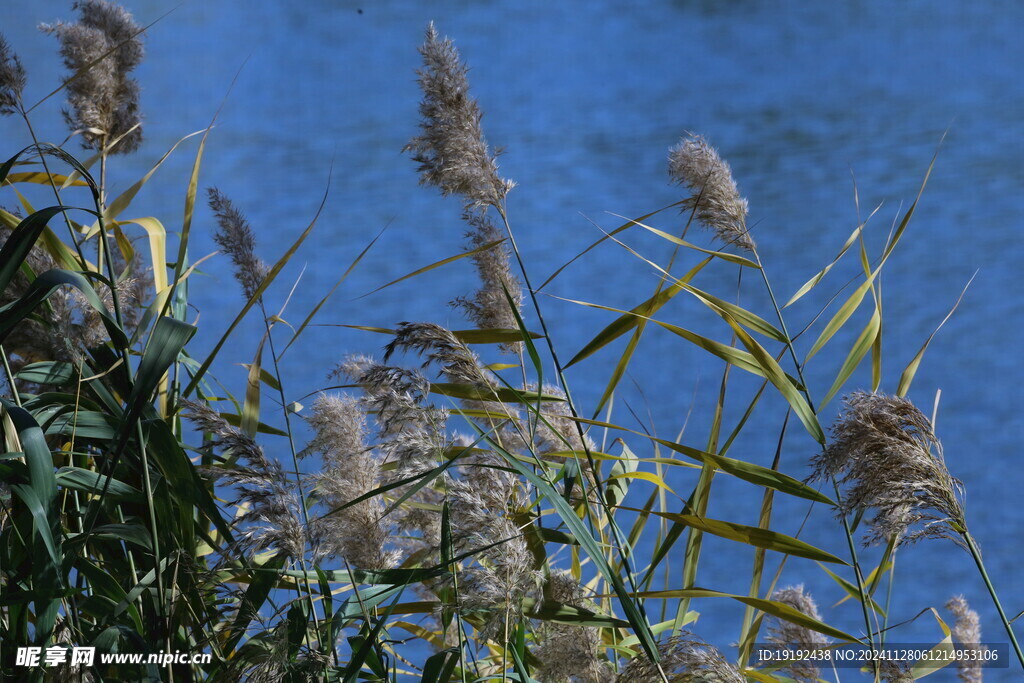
(806, 101)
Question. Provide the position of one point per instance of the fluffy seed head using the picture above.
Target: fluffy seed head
(455, 360)
(394, 395)
(489, 307)
(339, 428)
(235, 237)
(12, 79)
(567, 652)
(261, 487)
(716, 200)
(451, 150)
(884, 450)
(558, 431)
(684, 659)
(355, 532)
(411, 434)
(353, 367)
(100, 51)
(502, 573)
(896, 672)
(51, 335)
(279, 659)
(226, 437)
(69, 325)
(788, 634)
(967, 634)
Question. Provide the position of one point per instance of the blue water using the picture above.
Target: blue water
(586, 99)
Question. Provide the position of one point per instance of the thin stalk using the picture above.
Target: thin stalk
(162, 597)
(806, 391)
(295, 463)
(131, 560)
(856, 570)
(72, 611)
(888, 598)
(764, 522)
(701, 496)
(976, 554)
(103, 203)
(460, 627)
(103, 173)
(558, 367)
(53, 185)
(504, 642)
(10, 376)
(103, 249)
(641, 323)
(640, 326)
(616, 532)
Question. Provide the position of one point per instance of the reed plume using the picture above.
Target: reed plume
(790, 635)
(411, 437)
(410, 431)
(454, 156)
(557, 431)
(882, 450)
(235, 237)
(451, 150)
(279, 659)
(12, 79)
(684, 659)
(394, 395)
(50, 334)
(482, 501)
(896, 672)
(456, 361)
(716, 201)
(567, 652)
(272, 517)
(68, 324)
(351, 469)
(100, 51)
(967, 634)
(489, 308)
(133, 281)
(502, 573)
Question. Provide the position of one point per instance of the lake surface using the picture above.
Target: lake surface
(585, 99)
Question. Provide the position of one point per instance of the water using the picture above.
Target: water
(587, 99)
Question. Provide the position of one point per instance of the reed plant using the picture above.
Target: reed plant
(445, 509)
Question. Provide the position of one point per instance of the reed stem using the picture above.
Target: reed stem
(972, 546)
(851, 545)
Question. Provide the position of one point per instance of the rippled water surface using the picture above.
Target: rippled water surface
(805, 101)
